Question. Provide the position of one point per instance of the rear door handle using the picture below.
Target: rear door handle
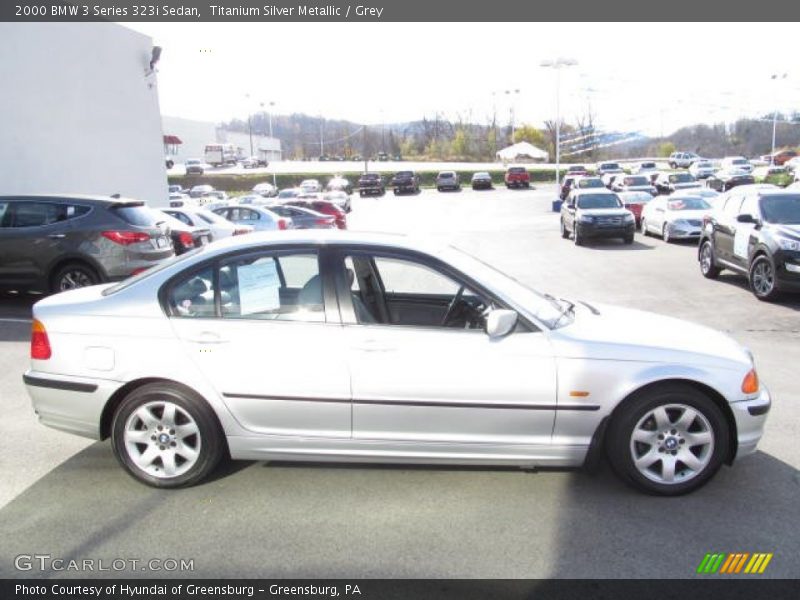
(57, 236)
(208, 337)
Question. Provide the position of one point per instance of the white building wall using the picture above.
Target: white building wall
(196, 134)
(79, 114)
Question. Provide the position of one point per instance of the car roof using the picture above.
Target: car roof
(96, 199)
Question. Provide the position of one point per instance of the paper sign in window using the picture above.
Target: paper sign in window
(259, 288)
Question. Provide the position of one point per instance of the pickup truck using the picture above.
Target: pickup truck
(405, 181)
(371, 184)
(517, 177)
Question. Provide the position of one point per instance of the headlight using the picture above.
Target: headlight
(628, 217)
(586, 219)
(788, 244)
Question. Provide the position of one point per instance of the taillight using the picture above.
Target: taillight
(750, 382)
(323, 221)
(186, 239)
(40, 344)
(283, 224)
(126, 238)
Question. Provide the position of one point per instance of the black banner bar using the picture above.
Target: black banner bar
(712, 588)
(373, 11)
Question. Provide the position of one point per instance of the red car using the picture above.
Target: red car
(634, 202)
(517, 177)
(322, 206)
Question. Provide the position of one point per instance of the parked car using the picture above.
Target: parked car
(676, 217)
(736, 162)
(531, 380)
(177, 200)
(317, 202)
(666, 183)
(265, 189)
(176, 189)
(219, 226)
(201, 191)
(724, 180)
(647, 166)
(303, 218)
(608, 168)
(584, 182)
(339, 184)
(257, 217)
(515, 177)
(194, 166)
(781, 157)
(755, 231)
(252, 199)
(448, 180)
(610, 178)
(371, 184)
(184, 236)
(310, 186)
(596, 213)
(701, 169)
(288, 193)
(405, 181)
(577, 170)
(633, 183)
(216, 196)
(52, 243)
(761, 173)
(635, 202)
(339, 198)
(250, 162)
(683, 160)
(481, 180)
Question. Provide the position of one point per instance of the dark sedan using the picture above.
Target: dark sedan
(725, 180)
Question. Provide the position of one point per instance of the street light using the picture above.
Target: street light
(558, 64)
(249, 122)
(775, 118)
(269, 116)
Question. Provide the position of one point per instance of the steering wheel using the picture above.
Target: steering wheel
(452, 306)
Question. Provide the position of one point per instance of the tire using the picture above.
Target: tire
(665, 234)
(564, 231)
(73, 276)
(361, 193)
(576, 237)
(396, 192)
(708, 263)
(643, 228)
(142, 421)
(762, 279)
(438, 189)
(628, 239)
(662, 422)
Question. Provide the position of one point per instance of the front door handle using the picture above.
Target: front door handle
(208, 337)
(57, 236)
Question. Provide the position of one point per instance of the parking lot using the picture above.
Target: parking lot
(67, 497)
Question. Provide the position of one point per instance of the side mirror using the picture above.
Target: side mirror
(746, 219)
(500, 322)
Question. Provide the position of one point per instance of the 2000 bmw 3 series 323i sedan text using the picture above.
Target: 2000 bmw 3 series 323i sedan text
(338, 346)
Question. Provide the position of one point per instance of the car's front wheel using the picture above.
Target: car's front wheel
(166, 437)
(668, 440)
(665, 233)
(564, 230)
(708, 265)
(762, 279)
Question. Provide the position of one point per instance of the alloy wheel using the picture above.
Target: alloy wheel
(672, 444)
(74, 279)
(763, 278)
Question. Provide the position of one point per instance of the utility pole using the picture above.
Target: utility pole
(775, 119)
(249, 123)
(558, 64)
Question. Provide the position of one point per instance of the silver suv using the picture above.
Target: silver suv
(682, 160)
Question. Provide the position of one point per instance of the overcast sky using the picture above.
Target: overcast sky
(637, 76)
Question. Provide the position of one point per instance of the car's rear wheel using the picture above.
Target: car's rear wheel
(708, 264)
(577, 238)
(668, 440)
(628, 239)
(166, 437)
(643, 228)
(665, 233)
(762, 279)
(73, 276)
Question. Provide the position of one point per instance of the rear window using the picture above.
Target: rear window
(608, 166)
(137, 215)
(637, 181)
(590, 183)
(680, 178)
(688, 203)
(517, 170)
(405, 174)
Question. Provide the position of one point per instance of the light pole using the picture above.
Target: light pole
(558, 64)
(249, 123)
(512, 106)
(269, 117)
(775, 119)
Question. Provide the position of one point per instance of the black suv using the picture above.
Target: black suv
(57, 243)
(371, 183)
(593, 213)
(755, 230)
(405, 181)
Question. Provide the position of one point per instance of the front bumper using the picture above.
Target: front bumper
(787, 270)
(591, 230)
(684, 232)
(71, 404)
(750, 417)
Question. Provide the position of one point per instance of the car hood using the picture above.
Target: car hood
(628, 334)
(790, 231)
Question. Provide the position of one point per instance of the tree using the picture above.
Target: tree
(530, 134)
(460, 144)
(666, 149)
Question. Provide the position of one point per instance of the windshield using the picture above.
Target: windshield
(648, 165)
(591, 183)
(210, 217)
(590, 201)
(637, 181)
(609, 166)
(680, 178)
(782, 210)
(192, 161)
(553, 313)
(688, 203)
(738, 161)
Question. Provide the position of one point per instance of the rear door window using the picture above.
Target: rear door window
(137, 215)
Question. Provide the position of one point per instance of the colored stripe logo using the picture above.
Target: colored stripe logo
(734, 563)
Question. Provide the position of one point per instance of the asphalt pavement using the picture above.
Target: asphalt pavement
(68, 498)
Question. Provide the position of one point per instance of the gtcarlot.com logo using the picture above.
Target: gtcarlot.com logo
(734, 563)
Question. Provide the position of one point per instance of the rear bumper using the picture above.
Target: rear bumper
(750, 416)
(70, 404)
